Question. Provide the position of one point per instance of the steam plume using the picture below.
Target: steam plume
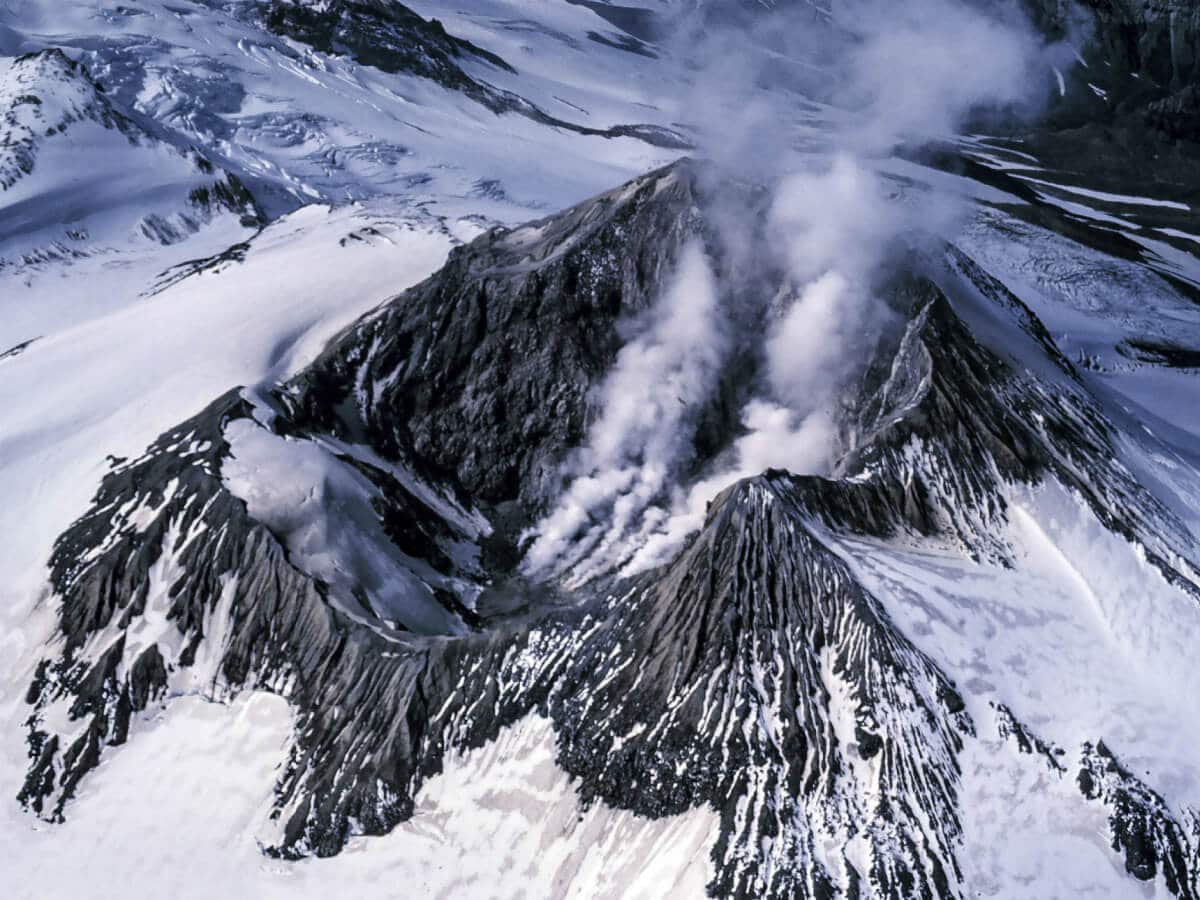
(641, 437)
(830, 98)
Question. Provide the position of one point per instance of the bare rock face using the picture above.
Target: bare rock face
(1151, 39)
(756, 673)
(1155, 40)
(1178, 115)
(481, 375)
(1142, 60)
(445, 387)
(856, 733)
(378, 33)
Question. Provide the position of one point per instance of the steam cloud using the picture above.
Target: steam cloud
(639, 441)
(818, 118)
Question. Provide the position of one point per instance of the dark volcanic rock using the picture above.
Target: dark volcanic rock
(1177, 116)
(758, 622)
(1010, 728)
(1160, 353)
(482, 374)
(379, 33)
(1142, 54)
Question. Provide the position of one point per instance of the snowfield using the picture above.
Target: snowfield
(183, 808)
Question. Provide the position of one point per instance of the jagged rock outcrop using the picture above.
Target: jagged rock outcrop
(379, 33)
(749, 633)
(439, 355)
(1142, 827)
(1011, 728)
(757, 675)
(1152, 840)
(481, 375)
(1178, 115)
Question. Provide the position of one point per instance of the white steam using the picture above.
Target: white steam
(884, 74)
(777, 439)
(641, 438)
(913, 69)
(833, 227)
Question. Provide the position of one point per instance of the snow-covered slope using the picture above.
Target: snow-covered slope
(302, 124)
(198, 99)
(245, 320)
(89, 197)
